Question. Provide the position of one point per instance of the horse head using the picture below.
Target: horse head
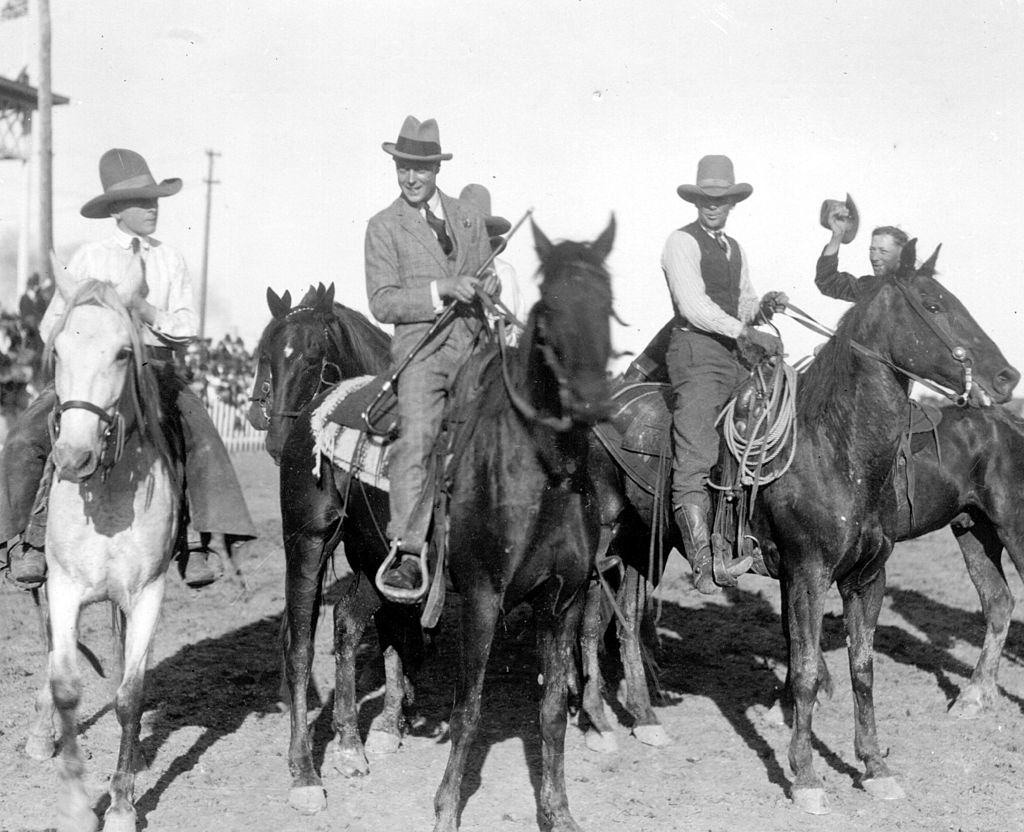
(96, 355)
(935, 337)
(567, 342)
(303, 350)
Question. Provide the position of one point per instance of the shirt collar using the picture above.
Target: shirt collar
(124, 240)
(710, 232)
(434, 204)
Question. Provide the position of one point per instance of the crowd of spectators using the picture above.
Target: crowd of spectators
(220, 372)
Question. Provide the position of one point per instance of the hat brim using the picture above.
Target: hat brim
(737, 193)
(389, 148)
(98, 207)
(496, 226)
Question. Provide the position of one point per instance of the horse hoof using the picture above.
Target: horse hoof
(601, 743)
(40, 747)
(382, 742)
(307, 799)
(350, 762)
(968, 707)
(812, 801)
(654, 735)
(884, 788)
(119, 821)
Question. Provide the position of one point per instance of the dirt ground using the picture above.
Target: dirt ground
(217, 742)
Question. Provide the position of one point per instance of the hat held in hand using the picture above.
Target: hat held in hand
(124, 174)
(846, 210)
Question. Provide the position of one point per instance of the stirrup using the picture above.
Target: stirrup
(396, 593)
(726, 570)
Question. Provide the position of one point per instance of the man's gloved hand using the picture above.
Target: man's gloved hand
(765, 341)
(771, 303)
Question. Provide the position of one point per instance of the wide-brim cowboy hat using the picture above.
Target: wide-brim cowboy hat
(124, 174)
(831, 207)
(715, 180)
(418, 141)
(480, 198)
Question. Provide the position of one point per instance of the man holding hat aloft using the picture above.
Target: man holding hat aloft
(164, 304)
(423, 253)
(716, 312)
(843, 220)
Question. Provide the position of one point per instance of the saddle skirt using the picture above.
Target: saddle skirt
(336, 436)
(637, 434)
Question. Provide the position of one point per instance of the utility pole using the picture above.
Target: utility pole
(210, 182)
(45, 146)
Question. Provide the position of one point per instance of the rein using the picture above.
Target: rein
(959, 352)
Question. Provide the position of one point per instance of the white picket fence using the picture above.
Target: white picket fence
(234, 428)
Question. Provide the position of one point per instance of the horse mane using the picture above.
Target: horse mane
(371, 345)
(152, 408)
(823, 395)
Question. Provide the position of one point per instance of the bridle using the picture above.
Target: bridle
(327, 367)
(958, 351)
(113, 432)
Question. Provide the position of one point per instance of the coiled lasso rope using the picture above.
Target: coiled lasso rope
(773, 429)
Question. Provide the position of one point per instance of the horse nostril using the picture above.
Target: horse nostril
(1005, 380)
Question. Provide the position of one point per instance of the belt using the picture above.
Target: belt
(724, 340)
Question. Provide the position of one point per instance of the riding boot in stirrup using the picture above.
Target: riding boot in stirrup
(693, 524)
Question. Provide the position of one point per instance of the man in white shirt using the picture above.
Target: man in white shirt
(716, 309)
(130, 196)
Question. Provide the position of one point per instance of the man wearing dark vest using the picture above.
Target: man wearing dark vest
(716, 310)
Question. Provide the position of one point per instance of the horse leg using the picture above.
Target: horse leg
(555, 635)
(600, 736)
(385, 734)
(633, 603)
(805, 609)
(861, 605)
(65, 601)
(140, 626)
(480, 607)
(982, 550)
(351, 613)
(41, 741)
(302, 592)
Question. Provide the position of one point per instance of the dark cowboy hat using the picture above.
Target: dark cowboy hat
(480, 198)
(124, 174)
(715, 180)
(417, 142)
(831, 207)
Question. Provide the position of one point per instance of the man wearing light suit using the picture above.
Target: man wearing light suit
(422, 254)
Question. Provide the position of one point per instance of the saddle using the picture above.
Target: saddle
(638, 432)
(920, 435)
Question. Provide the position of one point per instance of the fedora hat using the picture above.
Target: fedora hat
(480, 198)
(418, 141)
(124, 174)
(831, 207)
(715, 179)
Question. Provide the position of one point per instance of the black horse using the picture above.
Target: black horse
(537, 541)
(833, 516)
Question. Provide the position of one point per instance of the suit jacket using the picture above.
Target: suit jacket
(403, 257)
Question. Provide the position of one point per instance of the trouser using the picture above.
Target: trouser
(423, 388)
(704, 372)
(215, 498)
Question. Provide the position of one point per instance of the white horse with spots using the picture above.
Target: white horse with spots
(115, 504)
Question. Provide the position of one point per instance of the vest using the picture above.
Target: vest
(721, 274)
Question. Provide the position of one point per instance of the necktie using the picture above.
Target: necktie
(437, 226)
(722, 242)
(137, 252)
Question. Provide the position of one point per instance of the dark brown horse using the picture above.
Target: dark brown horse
(538, 541)
(833, 517)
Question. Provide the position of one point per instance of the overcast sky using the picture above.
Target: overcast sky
(577, 109)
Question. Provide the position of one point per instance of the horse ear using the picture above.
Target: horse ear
(278, 305)
(928, 267)
(329, 296)
(602, 246)
(65, 283)
(541, 242)
(908, 257)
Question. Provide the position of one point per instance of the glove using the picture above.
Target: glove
(771, 303)
(770, 344)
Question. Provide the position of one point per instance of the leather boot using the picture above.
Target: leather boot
(27, 564)
(692, 519)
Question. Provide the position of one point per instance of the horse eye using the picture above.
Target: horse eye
(933, 307)
(124, 354)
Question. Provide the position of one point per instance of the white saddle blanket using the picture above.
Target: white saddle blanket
(351, 450)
